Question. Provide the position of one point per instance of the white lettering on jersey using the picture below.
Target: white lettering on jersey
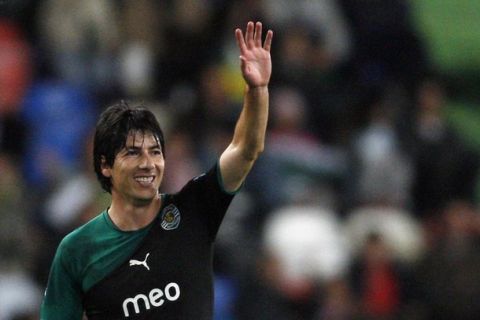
(154, 299)
(140, 263)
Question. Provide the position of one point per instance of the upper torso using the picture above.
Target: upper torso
(162, 271)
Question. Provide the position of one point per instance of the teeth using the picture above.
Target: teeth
(144, 179)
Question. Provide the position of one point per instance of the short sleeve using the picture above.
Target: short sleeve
(213, 200)
(63, 296)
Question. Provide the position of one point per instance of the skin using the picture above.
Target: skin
(136, 174)
(135, 203)
(249, 136)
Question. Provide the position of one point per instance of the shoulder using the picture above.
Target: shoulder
(209, 180)
(83, 235)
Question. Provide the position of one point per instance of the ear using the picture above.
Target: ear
(106, 169)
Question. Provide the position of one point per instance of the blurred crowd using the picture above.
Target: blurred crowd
(362, 205)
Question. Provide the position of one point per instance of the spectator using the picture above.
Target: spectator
(379, 281)
(80, 39)
(448, 275)
(445, 168)
(386, 47)
(19, 293)
(142, 46)
(303, 250)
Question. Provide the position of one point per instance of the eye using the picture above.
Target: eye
(157, 152)
(131, 152)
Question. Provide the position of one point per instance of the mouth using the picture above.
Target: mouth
(145, 181)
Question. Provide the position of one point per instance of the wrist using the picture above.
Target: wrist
(256, 89)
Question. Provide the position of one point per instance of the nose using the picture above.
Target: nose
(146, 162)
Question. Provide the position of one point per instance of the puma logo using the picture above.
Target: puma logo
(134, 262)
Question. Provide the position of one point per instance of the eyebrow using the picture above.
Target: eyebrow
(134, 147)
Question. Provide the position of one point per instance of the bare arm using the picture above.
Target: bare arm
(249, 136)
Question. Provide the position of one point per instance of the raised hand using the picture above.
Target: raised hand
(255, 61)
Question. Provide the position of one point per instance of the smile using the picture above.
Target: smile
(145, 180)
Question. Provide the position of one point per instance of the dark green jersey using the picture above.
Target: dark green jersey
(162, 271)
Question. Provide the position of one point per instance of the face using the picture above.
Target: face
(137, 170)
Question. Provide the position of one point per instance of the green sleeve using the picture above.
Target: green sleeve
(63, 297)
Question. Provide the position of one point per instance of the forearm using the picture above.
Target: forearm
(249, 135)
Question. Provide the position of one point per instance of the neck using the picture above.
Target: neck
(131, 217)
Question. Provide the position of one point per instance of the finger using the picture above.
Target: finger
(268, 40)
(240, 40)
(258, 34)
(249, 34)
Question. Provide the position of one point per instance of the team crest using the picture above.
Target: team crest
(170, 217)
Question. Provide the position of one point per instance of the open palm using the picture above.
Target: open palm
(256, 64)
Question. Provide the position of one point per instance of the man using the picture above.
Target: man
(148, 256)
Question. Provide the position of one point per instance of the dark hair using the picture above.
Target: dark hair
(114, 126)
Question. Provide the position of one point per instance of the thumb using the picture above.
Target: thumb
(243, 65)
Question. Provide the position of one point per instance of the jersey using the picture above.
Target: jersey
(163, 271)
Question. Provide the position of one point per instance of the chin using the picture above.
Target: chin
(143, 201)
(146, 198)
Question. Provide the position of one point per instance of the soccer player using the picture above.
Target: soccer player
(149, 255)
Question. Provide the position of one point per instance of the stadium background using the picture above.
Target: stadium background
(364, 204)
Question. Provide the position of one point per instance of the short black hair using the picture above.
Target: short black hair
(114, 126)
